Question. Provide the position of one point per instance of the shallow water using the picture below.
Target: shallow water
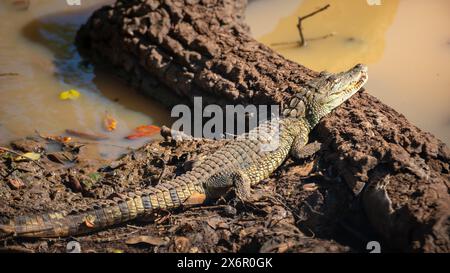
(40, 50)
(405, 43)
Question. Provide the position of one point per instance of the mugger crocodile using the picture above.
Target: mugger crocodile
(241, 163)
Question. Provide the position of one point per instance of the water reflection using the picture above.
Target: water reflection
(346, 33)
(41, 50)
(405, 43)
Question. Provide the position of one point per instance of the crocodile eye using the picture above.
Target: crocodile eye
(333, 78)
(325, 74)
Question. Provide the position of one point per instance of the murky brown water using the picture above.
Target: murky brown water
(40, 50)
(405, 43)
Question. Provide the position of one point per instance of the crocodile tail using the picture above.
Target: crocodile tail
(60, 224)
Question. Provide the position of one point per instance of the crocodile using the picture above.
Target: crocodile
(240, 164)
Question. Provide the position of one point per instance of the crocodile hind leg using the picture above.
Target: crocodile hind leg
(221, 184)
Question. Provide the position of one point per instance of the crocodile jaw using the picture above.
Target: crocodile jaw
(345, 85)
(331, 90)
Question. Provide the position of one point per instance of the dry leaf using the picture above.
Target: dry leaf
(182, 244)
(87, 135)
(310, 187)
(162, 219)
(74, 183)
(109, 122)
(195, 199)
(215, 222)
(155, 241)
(71, 94)
(28, 156)
(144, 131)
(61, 139)
(89, 221)
(16, 183)
(147, 128)
(56, 157)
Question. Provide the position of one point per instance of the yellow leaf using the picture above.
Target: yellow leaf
(109, 122)
(71, 94)
(30, 156)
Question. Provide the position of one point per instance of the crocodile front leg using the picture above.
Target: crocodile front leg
(242, 184)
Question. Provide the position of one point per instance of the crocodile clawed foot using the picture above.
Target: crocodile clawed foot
(246, 198)
(253, 198)
(300, 151)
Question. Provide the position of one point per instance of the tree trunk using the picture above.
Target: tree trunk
(203, 48)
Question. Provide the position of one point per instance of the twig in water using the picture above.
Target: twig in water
(300, 30)
(301, 18)
(9, 74)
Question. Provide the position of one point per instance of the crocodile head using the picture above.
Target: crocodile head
(331, 90)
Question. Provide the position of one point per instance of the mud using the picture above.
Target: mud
(403, 172)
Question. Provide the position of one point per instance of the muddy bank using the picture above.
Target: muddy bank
(300, 209)
(372, 158)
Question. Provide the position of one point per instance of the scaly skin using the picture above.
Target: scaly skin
(241, 163)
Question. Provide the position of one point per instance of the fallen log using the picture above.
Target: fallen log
(203, 48)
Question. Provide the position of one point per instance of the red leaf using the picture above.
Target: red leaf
(144, 131)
